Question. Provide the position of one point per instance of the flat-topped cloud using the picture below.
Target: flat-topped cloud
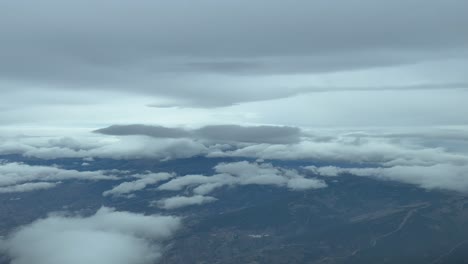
(145, 130)
(215, 133)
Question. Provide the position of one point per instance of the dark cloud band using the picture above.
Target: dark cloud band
(217, 133)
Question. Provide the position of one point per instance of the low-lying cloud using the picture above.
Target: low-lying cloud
(353, 149)
(243, 173)
(19, 177)
(28, 187)
(183, 201)
(389, 148)
(440, 176)
(126, 188)
(130, 147)
(226, 174)
(107, 237)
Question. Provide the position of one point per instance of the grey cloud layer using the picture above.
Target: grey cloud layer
(217, 133)
(300, 28)
(145, 130)
(106, 237)
(145, 46)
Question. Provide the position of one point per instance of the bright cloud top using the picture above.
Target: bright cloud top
(435, 147)
(227, 174)
(243, 173)
(143, 180)
(27, 187)
(107, 237)
(182, 201)
(439, 176)
(18, 177)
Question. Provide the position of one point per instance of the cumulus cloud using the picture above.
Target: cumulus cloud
(438, 176)
(144, 180)
(233, 174)
(256, 173)
(131, 147)
(19, 177)
(386, 148)
(108, 236)
(243, 173)
(182, 201)
(300, 183)
(27, 187)
(325, 170)
(415, 146)
(350, 149)
(180, 183)
(217, 133)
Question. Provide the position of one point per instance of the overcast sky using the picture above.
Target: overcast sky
(190, 63)
(377, 85)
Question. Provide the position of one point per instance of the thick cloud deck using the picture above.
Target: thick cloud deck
(107, 237)
(311, 36)
(418, 149)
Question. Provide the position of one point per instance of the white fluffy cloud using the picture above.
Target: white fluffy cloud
(439, 176)
(179, 183)
(359, 150)
(300, 183)
(18, 177)
(128, 147)
(377, 147)
(410, 146)
(27, 187)
(243, 173)
(107, 237)
(144, 180)
(182, 201)
(231, 174)
(325, 170)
